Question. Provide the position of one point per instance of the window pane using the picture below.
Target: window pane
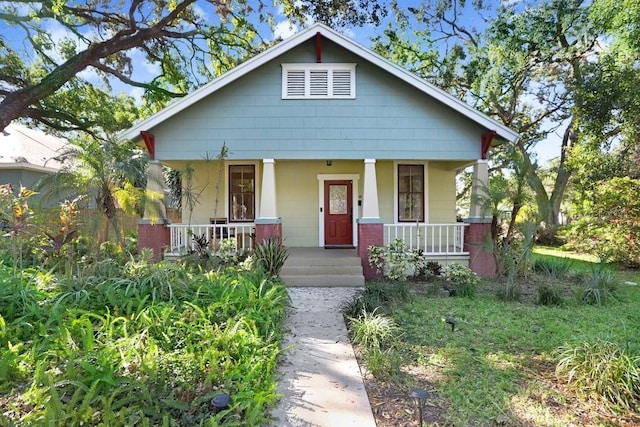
(337, 199)
(410, 192)
(242, 192)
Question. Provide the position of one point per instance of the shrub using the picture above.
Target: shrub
(392, 260)
(383, 364)
(372, 330)
(464, 280)
(553, 267)
(549, 294)
(598, 287)
(271, 255)
(603, 368)
(375, 296)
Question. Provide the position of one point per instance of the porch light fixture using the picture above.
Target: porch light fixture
(419, 396)
(220, 401)
(329, 162)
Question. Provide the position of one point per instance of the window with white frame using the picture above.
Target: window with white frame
(318, 81)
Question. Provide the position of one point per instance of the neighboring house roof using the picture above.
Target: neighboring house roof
(246, 67)
(24, 148)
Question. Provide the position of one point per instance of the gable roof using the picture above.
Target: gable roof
(246, 67)
(24, 148)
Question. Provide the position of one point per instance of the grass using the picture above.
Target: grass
(139, 344)
(499, 365)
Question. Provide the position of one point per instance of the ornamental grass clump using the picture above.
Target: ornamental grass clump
(604, 368)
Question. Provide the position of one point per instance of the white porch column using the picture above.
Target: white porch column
(478, 190)
(370, 207)
(268, 196)
(154, 209)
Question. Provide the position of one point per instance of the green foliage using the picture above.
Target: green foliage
(372, 330)
(557, 268)
(15, 218)
(549, 294)
(375, 296)
(140, 343)
(598, 286)
(605, 368)
(384, 363)
(464, 281)
(106, 174)
(271, 255)
(501, 357)
(607, 222)
(392, 260)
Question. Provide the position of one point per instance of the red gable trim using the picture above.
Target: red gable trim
(150, 143)
(318, 47)
(486, 139)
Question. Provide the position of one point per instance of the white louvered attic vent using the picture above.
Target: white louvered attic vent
(318, 81)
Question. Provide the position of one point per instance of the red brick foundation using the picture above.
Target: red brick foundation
(265, 231)
(153, 236)
(481, 259)
(369, 234)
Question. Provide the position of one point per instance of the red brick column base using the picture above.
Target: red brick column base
(481, 259)
(153, 236)
(266, 230)
(369, 234)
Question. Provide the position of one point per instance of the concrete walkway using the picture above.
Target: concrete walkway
(320, 380)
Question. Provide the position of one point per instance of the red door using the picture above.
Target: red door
(338, 213)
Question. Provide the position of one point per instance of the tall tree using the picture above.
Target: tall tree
(188, 41)
(525, 64)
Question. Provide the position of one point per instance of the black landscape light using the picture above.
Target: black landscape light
(220, 401)
(420, 396)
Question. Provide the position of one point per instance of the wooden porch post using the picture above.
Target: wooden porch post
(152, 230)
(268, 224)
(370, 225)
(477, 239)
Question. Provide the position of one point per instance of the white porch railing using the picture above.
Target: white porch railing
(432, 239)
(182, 235)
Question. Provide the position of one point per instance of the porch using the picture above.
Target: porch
(437, 241)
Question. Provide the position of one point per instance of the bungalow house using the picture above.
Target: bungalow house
(329, 146)
(26, 155)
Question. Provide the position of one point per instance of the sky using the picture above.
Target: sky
(545, 150)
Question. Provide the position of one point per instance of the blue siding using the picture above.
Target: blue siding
(388, 120)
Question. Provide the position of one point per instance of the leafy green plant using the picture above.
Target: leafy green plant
(549, 294)
(598, 287)
(393, 260)
(603, 368)
(463, 279)
(557, 268)
(372, 330)
(139, 343)
(271, 255)
(374, 296)
(383, 363)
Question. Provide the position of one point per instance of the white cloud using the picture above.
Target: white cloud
(284, 29)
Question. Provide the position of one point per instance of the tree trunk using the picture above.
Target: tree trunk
(562, 179)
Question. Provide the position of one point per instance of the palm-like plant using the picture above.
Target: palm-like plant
(109, 173)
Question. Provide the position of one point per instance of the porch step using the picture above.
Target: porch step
(323, 268)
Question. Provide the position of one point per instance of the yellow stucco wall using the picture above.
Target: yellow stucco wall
(298, 196)
(442, 193)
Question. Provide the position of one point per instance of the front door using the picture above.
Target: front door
(338, 213)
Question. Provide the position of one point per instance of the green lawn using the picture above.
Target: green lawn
(498, 366)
